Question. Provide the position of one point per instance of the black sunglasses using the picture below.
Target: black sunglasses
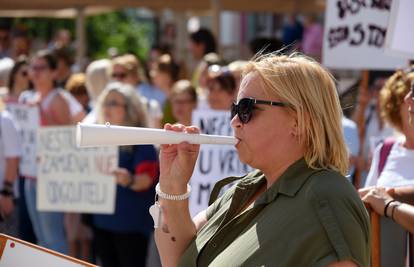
(120, 75)
(113, 103)
(244, 109)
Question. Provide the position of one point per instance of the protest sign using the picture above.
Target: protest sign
(355, 33)
(400, 37)
(74, 179)
(28, 121)
(215, 162)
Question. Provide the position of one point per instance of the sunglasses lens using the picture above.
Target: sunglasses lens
(243, 110)
(233, 110)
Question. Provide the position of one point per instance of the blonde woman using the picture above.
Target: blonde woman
(121, 238)
(297, 208)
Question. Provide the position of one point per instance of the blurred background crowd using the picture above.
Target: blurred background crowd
(135, 75)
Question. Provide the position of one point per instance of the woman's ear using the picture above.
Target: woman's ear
(294, 131)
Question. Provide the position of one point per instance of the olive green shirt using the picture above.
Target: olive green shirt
(306, 218)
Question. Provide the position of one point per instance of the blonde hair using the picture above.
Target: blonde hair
(132, 64)
(136, 111)
(311, 92)
(2, 105)
(76, 84)
(392, 97)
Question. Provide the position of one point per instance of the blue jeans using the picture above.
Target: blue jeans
(48, 226)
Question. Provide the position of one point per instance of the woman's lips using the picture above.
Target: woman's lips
(238, 141)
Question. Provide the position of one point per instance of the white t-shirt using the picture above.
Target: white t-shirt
(398, 170)
(74, 106)
(10, 144)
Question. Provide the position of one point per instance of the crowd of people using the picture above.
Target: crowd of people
(288, 121)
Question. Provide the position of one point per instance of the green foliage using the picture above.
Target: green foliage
(119, 29)
(126, 33)
(44, 28)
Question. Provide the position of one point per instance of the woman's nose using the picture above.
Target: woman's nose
(235, 122)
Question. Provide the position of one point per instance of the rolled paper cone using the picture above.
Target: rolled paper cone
(90, 135)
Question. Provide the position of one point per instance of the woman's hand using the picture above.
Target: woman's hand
(377, 198)
(177, 161)
(6, 206)
(123, 177)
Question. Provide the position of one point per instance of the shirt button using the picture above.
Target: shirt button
(214, 245)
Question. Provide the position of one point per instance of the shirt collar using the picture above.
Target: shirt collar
(289, 183)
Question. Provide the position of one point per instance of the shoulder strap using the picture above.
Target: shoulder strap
(219, 185)
(384, 152)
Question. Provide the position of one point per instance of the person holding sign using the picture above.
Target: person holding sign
(297, 208)
(54, 109)
(122, 238)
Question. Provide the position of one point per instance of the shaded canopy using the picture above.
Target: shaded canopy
(275, 6)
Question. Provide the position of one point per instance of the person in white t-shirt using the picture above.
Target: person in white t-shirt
(10, 152)
(392, 165)
(398, 169)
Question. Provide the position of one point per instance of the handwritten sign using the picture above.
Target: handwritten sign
(27, 119)
(355, 33)
(399, 40)
(214, 162)
(74, 179)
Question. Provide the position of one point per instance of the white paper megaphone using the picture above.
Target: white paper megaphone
(90, 135)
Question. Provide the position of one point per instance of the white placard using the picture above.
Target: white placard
(22, 255)
(27, 119)
(17, 253)
(214, 162)
(354, 35)
(74, 179)
(400, 34)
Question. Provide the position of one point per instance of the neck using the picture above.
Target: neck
(409, 141)
(274, 171)
(44, 90)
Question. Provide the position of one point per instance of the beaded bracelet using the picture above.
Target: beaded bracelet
(170, 196)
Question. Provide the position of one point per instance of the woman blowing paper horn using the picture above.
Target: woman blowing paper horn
(297, 208)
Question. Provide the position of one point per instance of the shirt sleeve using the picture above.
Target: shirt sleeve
(372, 177)
(146, 161)
(74, 106)
(10, 136)
(343, 218)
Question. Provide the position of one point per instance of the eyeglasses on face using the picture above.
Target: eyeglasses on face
(244, 109)
(119, 75)
(113, 103)
(39, 68)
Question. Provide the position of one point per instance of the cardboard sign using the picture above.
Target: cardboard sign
(27, 119)
(71, 179)
(400, 36)
(354, 36)
(16, 252)
(214, 162)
